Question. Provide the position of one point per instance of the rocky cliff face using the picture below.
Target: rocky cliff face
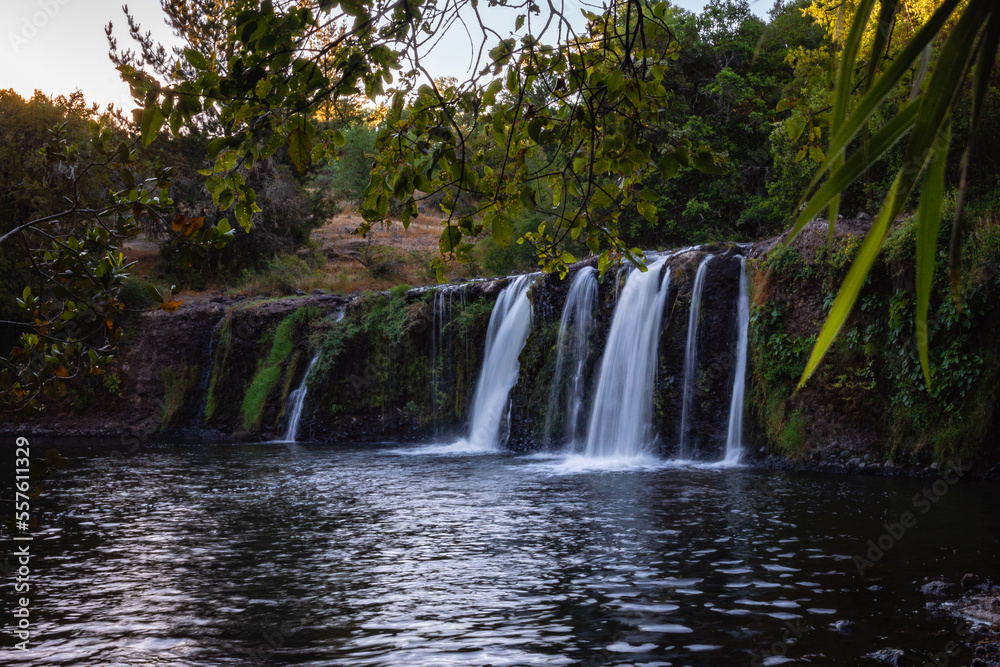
(404, 364)
(867, 407)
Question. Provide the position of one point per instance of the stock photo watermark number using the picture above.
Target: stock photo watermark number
(22, 548)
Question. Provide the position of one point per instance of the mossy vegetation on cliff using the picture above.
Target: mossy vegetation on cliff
(224, 337)
(273, 367)
(177, 381)
(869, 395)
(381, 370)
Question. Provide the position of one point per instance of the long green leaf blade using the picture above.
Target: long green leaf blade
(884, 85)
(842, 93)
(928, 225)
(881, 89)
(886, 16)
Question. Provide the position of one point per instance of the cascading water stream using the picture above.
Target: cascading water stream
(510, 324)
(296, 401)
(572, 350)
(440, 316)
(620, 424)
(734, 437)
(691, 355)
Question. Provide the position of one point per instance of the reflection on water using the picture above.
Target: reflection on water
(214, 555)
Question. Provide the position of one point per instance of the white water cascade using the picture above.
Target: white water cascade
(734, 437)
(620, 424)
(296, 401)
(441, 343)
(510, 324)
(572, 350)
(691, 355)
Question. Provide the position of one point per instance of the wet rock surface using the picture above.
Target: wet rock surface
(974, 602)
(889, 656)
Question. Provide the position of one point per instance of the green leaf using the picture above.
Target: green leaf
(225, 199)
(794, 127)
(527, 197)
(883, 29)
(338, 138)
(490, 94)
(647, 210)
(535, 129)
(849, 54)
(197, 60)
(216, 145)
(668, 166)
(615, 81)
(154, 293)
(981, 84)
(649, 194)
(152, 121)
(226, 162)
(928, 225)
(176, 121)
(705, 162)
(300, 148)
(450, 238)
(244, 215)
(853, 283)
(603, 262)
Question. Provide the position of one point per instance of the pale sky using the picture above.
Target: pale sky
(57, 46)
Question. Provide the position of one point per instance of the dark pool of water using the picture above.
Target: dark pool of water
(342, 555)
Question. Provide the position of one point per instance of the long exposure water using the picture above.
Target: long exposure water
(391, 555)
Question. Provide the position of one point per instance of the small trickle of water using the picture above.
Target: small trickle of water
(734, 438)
(439, 318)
(296, 401)
(572, 351)
(691, 355)
(621, 420)
(510, 324)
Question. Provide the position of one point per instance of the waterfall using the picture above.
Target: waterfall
(734, 438)
(510, 324)
(296, 401)
(440, 317)
(572, 350)
(621, 420)
(691, 355)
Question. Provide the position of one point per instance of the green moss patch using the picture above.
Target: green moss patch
(272, 367)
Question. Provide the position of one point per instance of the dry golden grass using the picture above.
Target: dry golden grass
(340, 261)
(146, 255)
(411, 249)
